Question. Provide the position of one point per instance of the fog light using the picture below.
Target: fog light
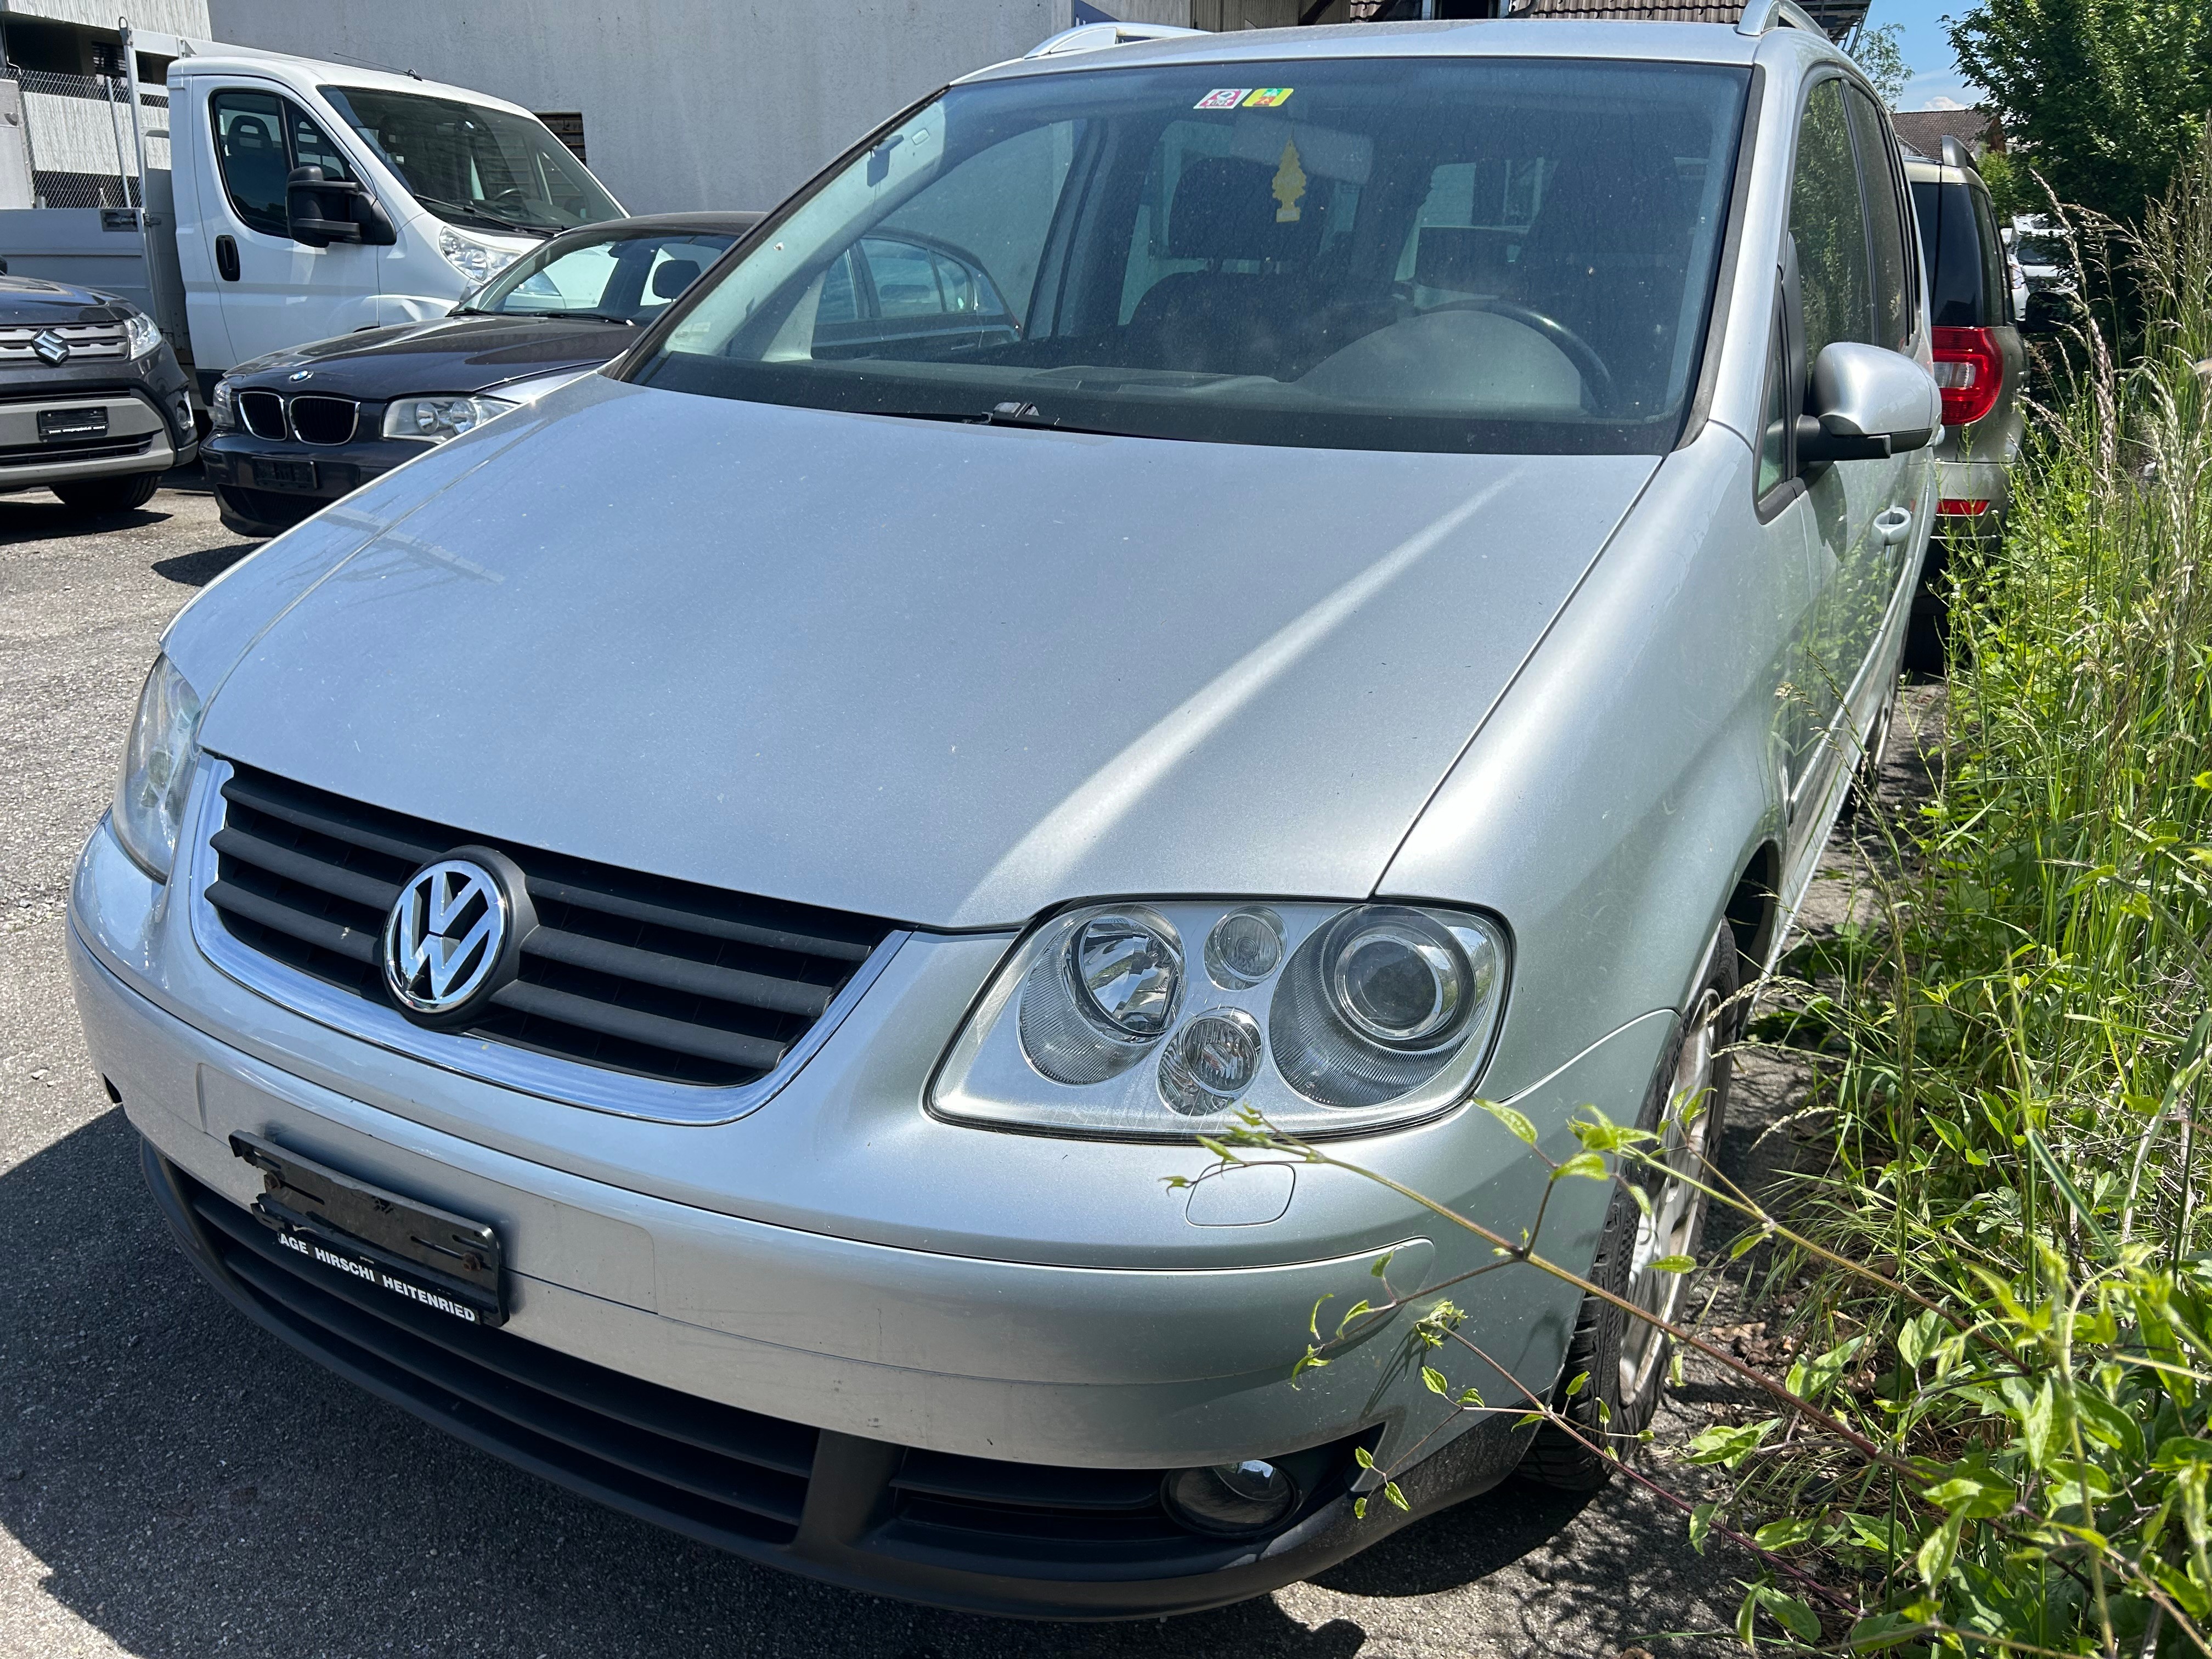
(1232, 1499)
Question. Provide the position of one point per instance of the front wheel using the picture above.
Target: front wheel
(1616, 1363)
(109, 495)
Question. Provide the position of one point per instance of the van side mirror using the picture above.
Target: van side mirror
(1869, 405)
(318, 211)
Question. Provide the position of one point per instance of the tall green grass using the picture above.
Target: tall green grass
(2015, 1057)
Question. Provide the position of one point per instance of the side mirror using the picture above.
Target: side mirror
(1871, 403)
(318, 211)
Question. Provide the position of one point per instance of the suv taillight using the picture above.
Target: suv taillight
(1969, 369)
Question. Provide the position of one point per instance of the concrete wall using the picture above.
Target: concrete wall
(170, 16)
(686, 103)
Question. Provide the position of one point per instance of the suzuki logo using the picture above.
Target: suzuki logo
(446, 934)
(50, 347)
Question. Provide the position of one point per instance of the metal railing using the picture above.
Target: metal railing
(78, 132)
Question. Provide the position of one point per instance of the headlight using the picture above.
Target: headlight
(433, 420)
(222, 408)
(478, 261)
(157, 769)
(140, 332)
(1161, 1020)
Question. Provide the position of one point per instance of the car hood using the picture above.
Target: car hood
(940, 673)
(32, 301)
(447, 354)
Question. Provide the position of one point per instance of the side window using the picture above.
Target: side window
(1997, 289)
(1893, 287)
(259, 139)
(311, 149)
(906, 281)
(1825, 218)
(837, 304)
(1774, 426)
(249, 144)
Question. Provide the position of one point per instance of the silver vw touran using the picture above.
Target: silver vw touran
(1341, 574)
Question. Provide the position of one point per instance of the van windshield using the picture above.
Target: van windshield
(1410, 253)
(471, 165)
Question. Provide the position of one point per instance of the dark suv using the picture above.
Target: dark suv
(1979, 361)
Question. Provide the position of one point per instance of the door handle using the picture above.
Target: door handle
(226, 258)
(1893, 525)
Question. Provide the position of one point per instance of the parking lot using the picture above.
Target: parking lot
(172, 1481)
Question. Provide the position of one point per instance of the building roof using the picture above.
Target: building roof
(1838, 17)
(1924, 129)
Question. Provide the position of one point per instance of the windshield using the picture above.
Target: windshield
(2039, 251)
(623, 279)
(489, 169)
(1446, 254)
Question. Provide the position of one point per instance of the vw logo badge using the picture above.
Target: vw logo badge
(303, 374)
(445, 937)
(50, 347)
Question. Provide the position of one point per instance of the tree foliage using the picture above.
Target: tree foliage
(2107, 97)
(1876, 52)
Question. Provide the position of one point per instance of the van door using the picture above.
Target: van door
(283, 293)
(1852, 285)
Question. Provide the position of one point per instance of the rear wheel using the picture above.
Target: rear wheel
(109, 495)
(1616, 1363)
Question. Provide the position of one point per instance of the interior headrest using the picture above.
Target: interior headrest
(1225, 208)
(671, 276)
(247, 132)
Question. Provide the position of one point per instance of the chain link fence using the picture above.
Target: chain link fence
(77, 133)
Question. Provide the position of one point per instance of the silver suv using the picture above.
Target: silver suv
(680, 935)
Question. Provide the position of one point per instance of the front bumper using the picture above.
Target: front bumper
(279, 483)
(939, 1423)
(135, 439)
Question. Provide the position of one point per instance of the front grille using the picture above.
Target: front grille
(318, 420)
(74, 449)
(85, 341)
(634, 973)
(263, 413)
(708, 1469)
(728, 1477)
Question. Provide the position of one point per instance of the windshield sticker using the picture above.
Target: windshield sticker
(1269, 97)
(1290, 187)
(1223, 98)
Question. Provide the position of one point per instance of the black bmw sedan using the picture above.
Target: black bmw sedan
(294, 430)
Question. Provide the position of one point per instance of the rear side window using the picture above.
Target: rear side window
(1996, 291)
(1826, 218)
(1886, 238)
(1965, 286)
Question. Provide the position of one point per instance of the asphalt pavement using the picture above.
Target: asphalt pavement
(174, 1482)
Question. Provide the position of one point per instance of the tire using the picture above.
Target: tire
(112, 494)
(1624, 1359)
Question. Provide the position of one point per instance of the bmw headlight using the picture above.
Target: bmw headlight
(222, 408)
(157, 769)
(478, 261)
(141, 333)
(433, 420)
(1161, 1020)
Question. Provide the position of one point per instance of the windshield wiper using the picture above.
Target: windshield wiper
(1013, 412)
(486, 221)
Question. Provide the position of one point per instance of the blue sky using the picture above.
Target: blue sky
(1927, 50)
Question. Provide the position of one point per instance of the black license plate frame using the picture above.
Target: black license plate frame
(274, 472)
(61, 425)
(451, 1264)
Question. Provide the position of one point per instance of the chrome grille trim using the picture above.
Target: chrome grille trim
(88, 342)
(572, 1083)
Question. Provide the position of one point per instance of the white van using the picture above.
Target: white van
(302, 200)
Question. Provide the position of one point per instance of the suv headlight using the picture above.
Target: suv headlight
(433, 420)
(222, 408)
(157, 769)
(141, 333)
(478, 261)
(1159, 1020)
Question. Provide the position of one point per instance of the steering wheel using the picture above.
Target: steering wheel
(1597, 379)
